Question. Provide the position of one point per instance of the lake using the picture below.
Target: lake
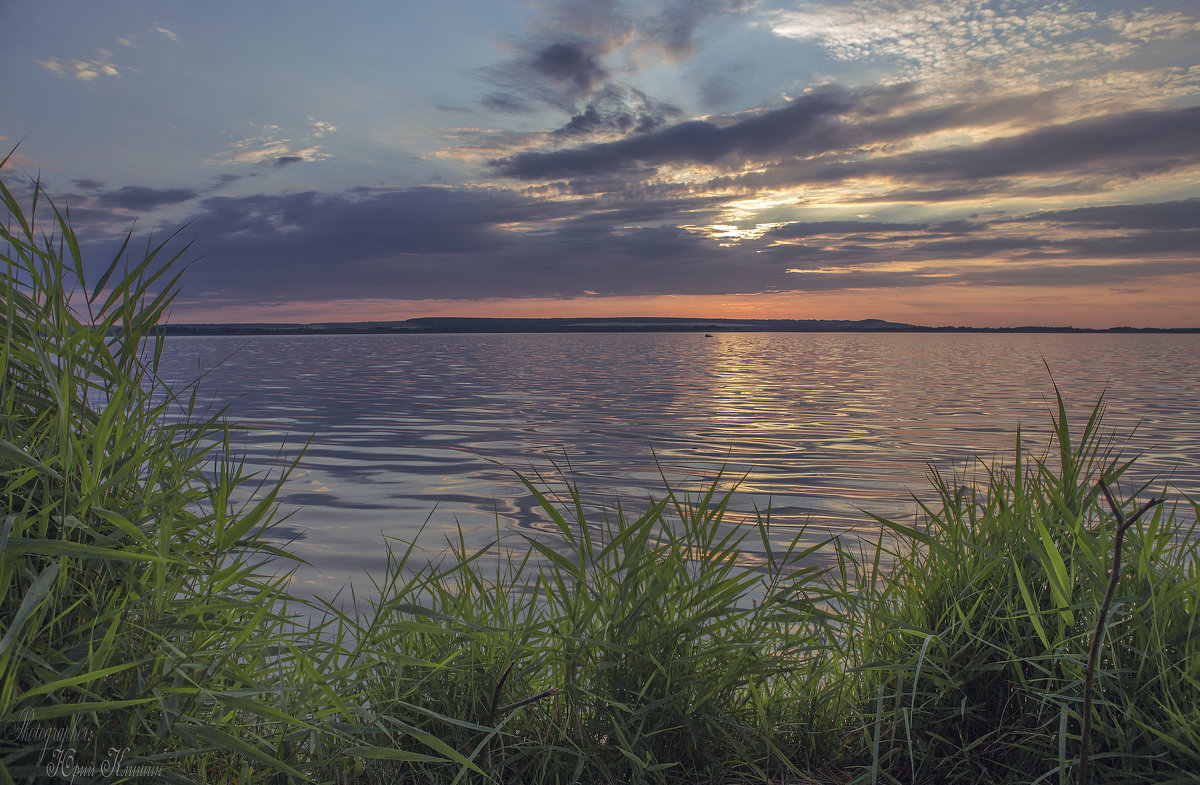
(422, 433)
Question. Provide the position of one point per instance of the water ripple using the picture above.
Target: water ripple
(818, 426)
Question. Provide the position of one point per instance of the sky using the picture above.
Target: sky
(939, 163)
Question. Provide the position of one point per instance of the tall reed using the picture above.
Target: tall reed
(974, 645)
(147, 625)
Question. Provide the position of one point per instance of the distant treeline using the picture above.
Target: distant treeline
(442, 324)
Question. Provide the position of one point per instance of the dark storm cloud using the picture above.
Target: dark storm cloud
(1101, 243)
(1183, 214)
(1130, 144)
(142, 199)
(827, 121)
(890, 117)
(460, 243)
(1147, 234)
(566, 77)
(287, 160)
(1176, 243)
(414, 221)
(1073, 274)
(620, 111)
(833, 135)
(562, 74)
(432, 242)
(590, 121)
(805, 126)
(573, 63)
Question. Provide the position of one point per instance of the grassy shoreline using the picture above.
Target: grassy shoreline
(143, 637)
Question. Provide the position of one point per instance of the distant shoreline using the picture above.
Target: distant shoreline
(442, 325)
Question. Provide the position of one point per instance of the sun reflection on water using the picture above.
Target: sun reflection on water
(427, 430)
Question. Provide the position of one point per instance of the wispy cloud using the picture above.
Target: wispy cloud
(102, 64)
(321, 128)
(272, 145)
(960, 43)
(83, 70)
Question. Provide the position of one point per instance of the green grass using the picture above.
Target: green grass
(146, 617)
(975, 642)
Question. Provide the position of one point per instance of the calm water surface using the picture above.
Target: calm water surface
(426, 430)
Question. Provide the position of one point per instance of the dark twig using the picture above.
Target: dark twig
(1085, 732)
(526, 701)
(494, 709)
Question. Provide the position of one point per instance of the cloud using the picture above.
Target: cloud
(800, 128)
(577, 59)
(506, 103)
(272, 146)
(674, 28)
(102, 64)
(1100, 244)
(321, 128)
(667, 29)
(987, 103)
(958, 43)
(83, 70)
(441, 242)
(855, 131)
(1181, 214)
(873, 160)
(467, 243)
(572, 64)
(561, 74)
(142, 199)
(1131, 144)
(614, 112)
(863, 229)
(105, 213)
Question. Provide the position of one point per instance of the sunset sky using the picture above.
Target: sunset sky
(960, 162)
